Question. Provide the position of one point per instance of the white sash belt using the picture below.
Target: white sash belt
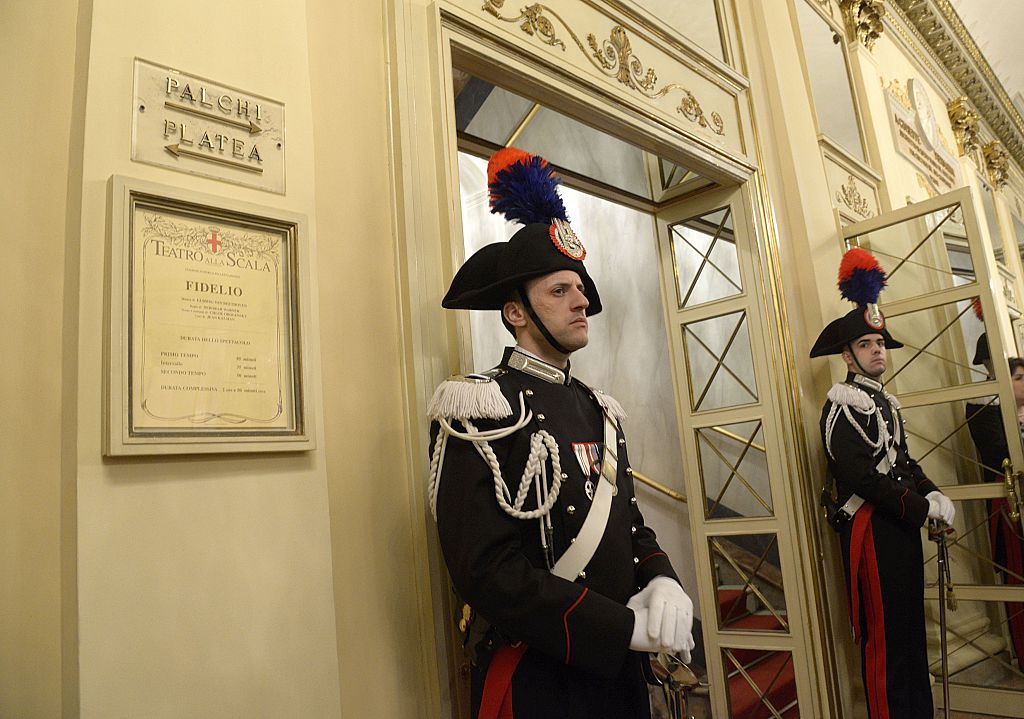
(580, 552)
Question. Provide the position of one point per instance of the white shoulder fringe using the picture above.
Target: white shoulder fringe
(611, 405)
(848, 395)
(462, 397)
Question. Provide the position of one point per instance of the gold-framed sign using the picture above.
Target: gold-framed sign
(207, 348)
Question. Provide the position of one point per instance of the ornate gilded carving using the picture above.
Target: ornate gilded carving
(965, 124)
(614, 57)
(940, 29)
(531, 20)
(692, 110)
(863, 20)
(997, 162)
(896, 89)
(849, 195)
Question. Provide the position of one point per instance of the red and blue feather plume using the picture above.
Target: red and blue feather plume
(861, 278)
(524, 187)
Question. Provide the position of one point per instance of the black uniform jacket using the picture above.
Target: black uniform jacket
(899, 493)
(497, 563)
(985, 422)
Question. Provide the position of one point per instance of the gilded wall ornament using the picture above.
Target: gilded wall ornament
(849, 195)
(691, 109)
(942, 32)
(863, 20)
(531, 20)
(613, 57)
(965, 124)
(997, 162)
(896, 89)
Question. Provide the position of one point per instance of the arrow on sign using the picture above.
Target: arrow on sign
(178, 151)
(249, 125)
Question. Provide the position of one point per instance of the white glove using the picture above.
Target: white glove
(641, 641)
(940, 507)
(663, 618)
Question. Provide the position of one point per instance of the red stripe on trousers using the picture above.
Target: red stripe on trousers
(1003, 526)
(877, 691)
(496, 702)
(861, 523)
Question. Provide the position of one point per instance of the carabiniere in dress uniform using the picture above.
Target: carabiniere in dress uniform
(532, 492)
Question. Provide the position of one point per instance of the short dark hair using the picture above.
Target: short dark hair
(1016, 363)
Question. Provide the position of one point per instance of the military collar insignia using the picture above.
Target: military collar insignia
(867, 382)
(566, 240)
(535, 367)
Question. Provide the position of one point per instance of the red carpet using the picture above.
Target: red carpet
(770, 671)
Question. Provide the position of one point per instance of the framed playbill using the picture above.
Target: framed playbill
(207, 348)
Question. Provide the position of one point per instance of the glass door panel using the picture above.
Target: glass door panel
(945, 301)
(761, 683)
(721, 368)
(744, 539)
(734, 467)
(750, 587)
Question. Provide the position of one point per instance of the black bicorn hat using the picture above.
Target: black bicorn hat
(981, 351)
(523, 187)
(861, 280)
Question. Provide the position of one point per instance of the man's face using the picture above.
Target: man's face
(869, 352)
(560, 303)
(1018, 385)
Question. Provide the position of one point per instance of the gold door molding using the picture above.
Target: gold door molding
(693, 94)
(757, 617)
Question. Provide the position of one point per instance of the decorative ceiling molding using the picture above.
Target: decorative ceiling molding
(940, 26)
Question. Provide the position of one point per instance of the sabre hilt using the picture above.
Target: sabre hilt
(939, 532)
(1010, 479)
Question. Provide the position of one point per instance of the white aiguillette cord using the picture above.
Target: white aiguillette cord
(580, 552)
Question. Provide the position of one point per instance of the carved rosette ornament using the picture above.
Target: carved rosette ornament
(531, 20)
(863, 20)
(614, 57)
(997, 162)
(965, 124)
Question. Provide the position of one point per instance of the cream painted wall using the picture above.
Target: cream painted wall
(37, 46)
(205, 584)
(383, 613)
(265, 586)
